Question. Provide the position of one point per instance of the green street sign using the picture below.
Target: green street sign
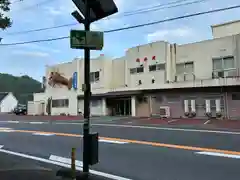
(86, 39)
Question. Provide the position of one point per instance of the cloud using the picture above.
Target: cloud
(167, 34)
(30, 53)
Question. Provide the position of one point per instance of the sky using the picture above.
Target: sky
(31, 59)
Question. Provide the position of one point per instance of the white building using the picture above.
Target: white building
(7, 102)
(196, 79)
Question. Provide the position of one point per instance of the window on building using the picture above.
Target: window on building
(186, 68)
(94, 76)
(156, 67)
(236, 96)
(140, 69)
(57, 103)
(224, 66)
(137, 70)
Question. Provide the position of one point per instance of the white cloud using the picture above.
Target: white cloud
(170, 33)
(31, 53)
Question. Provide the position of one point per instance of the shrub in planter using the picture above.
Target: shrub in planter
(218, 114)
(192, 114)
(208, 114)
(186, 114)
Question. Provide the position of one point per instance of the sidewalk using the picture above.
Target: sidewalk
(15, 167)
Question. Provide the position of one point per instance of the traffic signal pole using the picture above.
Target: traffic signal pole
(87, 95)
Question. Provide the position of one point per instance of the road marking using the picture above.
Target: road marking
(111, 141)
(169, 129)
(110, 176)
(43, 134)
(68, 123)
(36, 122)
(65, 160)
(6, 129)
(173, 120)
(13, 121)
(219, 154)
(156, 144)
(208, 121)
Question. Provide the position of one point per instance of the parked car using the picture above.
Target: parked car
(20, 110)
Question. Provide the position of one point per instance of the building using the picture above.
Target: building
(7, 102)
(158, 79)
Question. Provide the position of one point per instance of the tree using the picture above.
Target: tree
(5, 21)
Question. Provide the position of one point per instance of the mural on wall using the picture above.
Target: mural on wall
(58, 79)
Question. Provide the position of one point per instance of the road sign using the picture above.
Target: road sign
(74, 81)
(86, 39)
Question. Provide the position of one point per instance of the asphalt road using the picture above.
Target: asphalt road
(132, 152)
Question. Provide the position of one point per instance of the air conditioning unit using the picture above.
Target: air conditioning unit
(164, 111)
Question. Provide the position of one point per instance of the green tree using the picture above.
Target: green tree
(5, 21)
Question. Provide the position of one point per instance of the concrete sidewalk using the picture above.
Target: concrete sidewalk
(15, 167)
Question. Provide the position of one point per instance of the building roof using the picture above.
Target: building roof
(226, 23)
(3, 95)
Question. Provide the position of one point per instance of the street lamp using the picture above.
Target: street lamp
(92, 10)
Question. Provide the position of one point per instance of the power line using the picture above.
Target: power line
(34, 5)
(132, 27)
(136, 12)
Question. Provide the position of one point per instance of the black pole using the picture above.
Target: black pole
(87, 95)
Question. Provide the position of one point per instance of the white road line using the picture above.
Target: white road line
(111, 141)
(114, 177)
(36, 122)
(43, 134)
(169, 129)
(3, 129)
(13, 121)
(65, 160)
(69, 123)
(219, 154)
(173, 120)
(208, 121)
(1, 146)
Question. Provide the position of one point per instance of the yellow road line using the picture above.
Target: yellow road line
(156, 144)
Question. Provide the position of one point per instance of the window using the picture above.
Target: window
(137, 70)
(236, 96)
(133, 70)
(140, 69)
(224, 63)
(187, 68)
(224, 67)
(152, 68)
(156, 67)
(56, 103)
(94, 76)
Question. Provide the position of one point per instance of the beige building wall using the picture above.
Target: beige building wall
(202, 53)
(226, 29)
(59, 92)
(118, 73)
(101, 64)
(155, 49)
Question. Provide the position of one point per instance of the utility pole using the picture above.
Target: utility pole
(92, 10)
(87, 94)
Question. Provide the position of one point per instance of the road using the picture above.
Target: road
(132, 152)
